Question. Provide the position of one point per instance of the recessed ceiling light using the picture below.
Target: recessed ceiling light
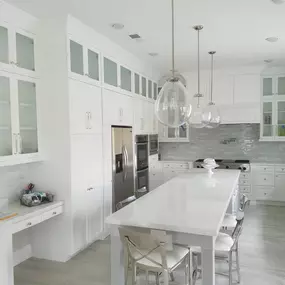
(278, 1)
(117, 26)
(272, 39)
(268, 60)
(153, 54)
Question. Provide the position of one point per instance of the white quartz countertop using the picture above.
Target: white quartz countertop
(192, 203)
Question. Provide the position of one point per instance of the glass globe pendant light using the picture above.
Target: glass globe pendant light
(211, 114)
(197, 113)
(172, 107)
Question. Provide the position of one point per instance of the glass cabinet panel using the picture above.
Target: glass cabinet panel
(4, 46)
(110, 72)
(171, 133)
(150, 89)
(27, 117)
(25, 52)
(267, 86)
(281, 119)
(76, 58)
(93, 65)
(281, 85)
(154, 91)
(137, 84)
(5, 118)
(267, 119)
(126, 79)
(144, 86)
(183, 131)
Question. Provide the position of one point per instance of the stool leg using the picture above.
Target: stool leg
(237, 261)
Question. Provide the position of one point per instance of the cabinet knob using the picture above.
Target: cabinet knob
(264, 168)
(282, 169)
(264, 179)
(29, 224)
(54, 213)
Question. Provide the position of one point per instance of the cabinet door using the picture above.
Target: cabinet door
(25, 50)
(150, 89)
(138, 115)
(279, 192)
(144, 89)
(76, 57)
(267, 127)
(126, 79)
(85, 108)
(155, 91)
(28, 123)
(93, 64)
(6, 146)
(4, 45)
(280, 85)
(280, 130)
(267, 86)
(137, 84)
(110, 72)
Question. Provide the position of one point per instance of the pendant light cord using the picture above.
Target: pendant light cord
(198, 64)
(212, 71)
(173, 39)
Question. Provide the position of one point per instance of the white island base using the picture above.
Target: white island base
(191, 207)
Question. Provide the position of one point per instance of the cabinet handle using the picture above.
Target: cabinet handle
(29, 224)
(54, 213)
(87, 120)
(264, 168)
(90, 120)
(264, 179)
(15, 141)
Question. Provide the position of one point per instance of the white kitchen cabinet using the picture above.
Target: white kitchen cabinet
(110, 73)
(139, 116)
(85, 108)
(168, 134)
(156, 178)
(279, 192)
(83, 62)
(17, 50)
(272, 126)
(117, 108)
(18, 119)
(87, 190)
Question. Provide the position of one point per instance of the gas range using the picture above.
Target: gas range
(243, 165)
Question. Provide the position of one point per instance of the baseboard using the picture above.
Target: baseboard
(22, 254)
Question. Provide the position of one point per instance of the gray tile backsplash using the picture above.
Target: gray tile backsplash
(239, 141)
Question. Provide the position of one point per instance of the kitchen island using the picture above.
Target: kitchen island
(190, 206)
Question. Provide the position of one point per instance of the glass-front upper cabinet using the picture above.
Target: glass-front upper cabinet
(150, 89)
(154, 91)
(126, 79)
(76, 58)
(6, 146)
(25, 51)
(110, 72)
(281, 85)
(137, 84)
(28, 130)
(93, 64)
(268, 123)
(4, 45)
(280, 119)
(268, 86)
(144, 86)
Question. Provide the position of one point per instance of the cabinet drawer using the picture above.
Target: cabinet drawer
(176, 165)
(263, 168)
(245, 182)
(17, 227)
(245, 189)
(263, 179)
(280, 168)
(264, 193)
(244, 176)
(52, 213)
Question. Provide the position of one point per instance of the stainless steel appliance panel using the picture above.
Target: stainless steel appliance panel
(153, 144)
(123, 173)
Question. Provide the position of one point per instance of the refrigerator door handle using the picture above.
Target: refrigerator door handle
(124, 163)
(127, 161)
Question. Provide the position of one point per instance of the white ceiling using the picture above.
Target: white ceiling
(235, 29)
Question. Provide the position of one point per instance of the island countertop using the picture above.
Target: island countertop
(192, 203)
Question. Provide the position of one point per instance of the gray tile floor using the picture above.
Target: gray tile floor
(262, 253)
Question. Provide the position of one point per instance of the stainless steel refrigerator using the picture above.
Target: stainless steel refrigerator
(123, 168)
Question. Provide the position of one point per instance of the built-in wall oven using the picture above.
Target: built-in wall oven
(153, 144)
(142, 171)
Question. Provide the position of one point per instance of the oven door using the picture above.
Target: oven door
(153, 149)
(142, 182)
(142, 155)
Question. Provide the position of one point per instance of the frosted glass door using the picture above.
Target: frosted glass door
(4, 46)
(76, 58)
(281, 85)
(267, 120)
(6, 147)
(144, 86)
(110, 72)
(268, 86)
(281, 119)
(93, 65)
(126, 79)
(25, 52)
(137, 84)
(154, 91)
(150, 89)
(28, 140)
